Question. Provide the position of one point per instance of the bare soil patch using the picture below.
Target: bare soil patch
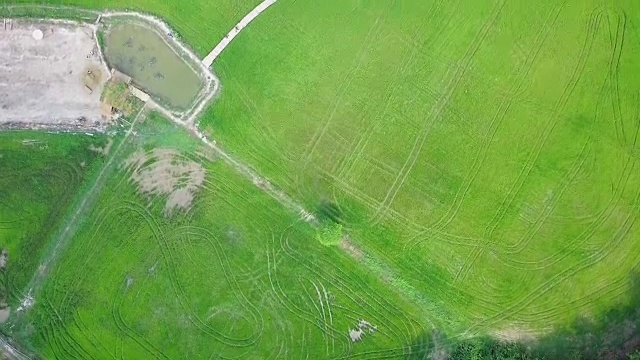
(51, 74)
(347, 246)
(515, 334)
(103, 150)
(4, 315)
(166, 172)
(362, 328)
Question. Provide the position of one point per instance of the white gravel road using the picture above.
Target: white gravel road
(208, 60)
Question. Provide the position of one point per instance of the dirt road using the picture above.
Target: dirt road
(208, 60)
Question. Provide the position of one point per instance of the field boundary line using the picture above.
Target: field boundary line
(438, 108)
(264, 5)
(189, 120)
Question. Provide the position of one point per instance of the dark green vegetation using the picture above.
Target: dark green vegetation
(484, 154)
(39, 182)
(611, 335)
(153, 65)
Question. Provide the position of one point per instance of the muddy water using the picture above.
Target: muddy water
(153, 66)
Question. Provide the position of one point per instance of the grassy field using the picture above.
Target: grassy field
(41, 175)
(483, 153)
(201, 23)
(481, 156)
(236, 275)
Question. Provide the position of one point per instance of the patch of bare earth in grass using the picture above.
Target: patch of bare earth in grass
(102, 150)
(515, 334)
(347, 246)
(164, 172)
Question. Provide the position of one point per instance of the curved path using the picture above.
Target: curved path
(208, 60)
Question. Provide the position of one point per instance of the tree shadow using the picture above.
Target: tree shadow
(614, 334)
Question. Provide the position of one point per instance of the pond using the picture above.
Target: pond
(152, 64)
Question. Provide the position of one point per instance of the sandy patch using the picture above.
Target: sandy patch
(363, 328)
(166, 172)
(4, 258)
(515, 334)
(347, 246)
(4, 315)
(103, 150)
(55, 81)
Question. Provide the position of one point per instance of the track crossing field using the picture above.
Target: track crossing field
(485, 152)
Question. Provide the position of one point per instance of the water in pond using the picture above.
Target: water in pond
(153, 66)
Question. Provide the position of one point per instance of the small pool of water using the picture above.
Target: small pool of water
(153, 66)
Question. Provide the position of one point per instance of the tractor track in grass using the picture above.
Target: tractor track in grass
(315, 310)
(61, 239)
(335, 340)
(186, 120)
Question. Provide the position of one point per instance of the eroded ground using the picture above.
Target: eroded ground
(55, 81)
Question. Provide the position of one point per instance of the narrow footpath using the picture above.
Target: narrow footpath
(208, 60)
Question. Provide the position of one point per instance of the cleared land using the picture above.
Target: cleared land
(482, 153)
(55, 81)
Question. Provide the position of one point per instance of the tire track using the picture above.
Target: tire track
(522, 74)
(620, 234)
(347, 164)
(585, 51)
(437, 110)
(369, 41)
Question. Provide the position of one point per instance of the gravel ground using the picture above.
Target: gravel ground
(43, 83)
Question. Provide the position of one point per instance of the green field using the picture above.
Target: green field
(474, 167)
(235, 275)
(485, 151)
(41, 175)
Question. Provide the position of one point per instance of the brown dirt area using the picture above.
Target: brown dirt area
(515, 334)
(52, 82)
(166, 172)
(347, 246)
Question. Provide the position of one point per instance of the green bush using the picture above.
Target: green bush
(330, 234)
